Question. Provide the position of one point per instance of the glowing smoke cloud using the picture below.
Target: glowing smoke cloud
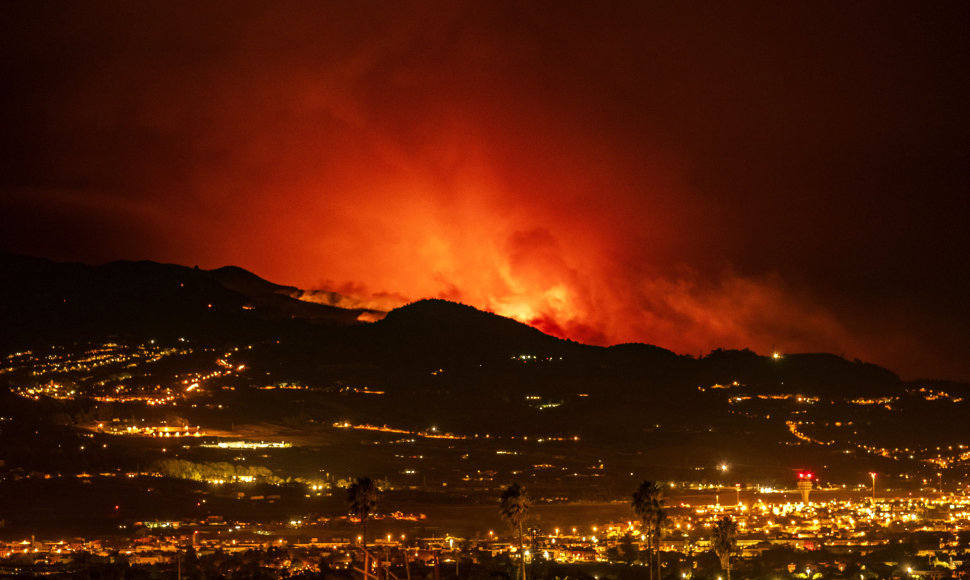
(588, 173)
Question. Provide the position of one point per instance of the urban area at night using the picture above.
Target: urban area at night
(484, 290)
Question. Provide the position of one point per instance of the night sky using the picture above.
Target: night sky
(688, 174)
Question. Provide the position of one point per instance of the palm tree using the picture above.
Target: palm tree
(362, 501)
(724, 541)
(648, 505)
(513, 506)
(658, 522)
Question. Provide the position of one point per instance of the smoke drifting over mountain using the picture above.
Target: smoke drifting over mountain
(694, 178)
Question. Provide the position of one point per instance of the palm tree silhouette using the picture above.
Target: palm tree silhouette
(362, 501)
(513, 506)
(648, 504)
(724, 541)
(659, 522)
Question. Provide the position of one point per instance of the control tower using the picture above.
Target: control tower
(805, 485)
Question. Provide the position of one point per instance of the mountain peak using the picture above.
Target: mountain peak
(454, 329)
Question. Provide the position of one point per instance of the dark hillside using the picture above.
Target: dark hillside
(455, 333)
(43, 301)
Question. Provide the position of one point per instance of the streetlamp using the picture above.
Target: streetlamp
(717, 494)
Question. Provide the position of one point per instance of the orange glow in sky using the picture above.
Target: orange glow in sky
(606, 173)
